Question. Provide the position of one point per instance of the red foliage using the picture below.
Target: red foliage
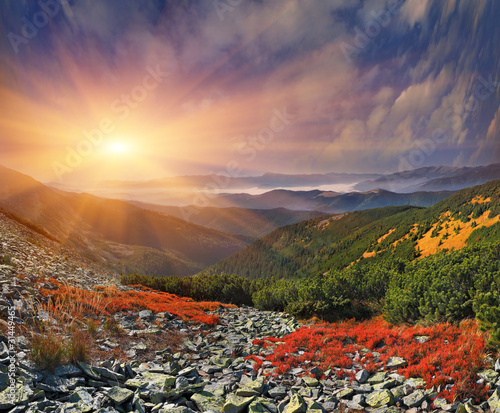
(109, 300)
(452, 354)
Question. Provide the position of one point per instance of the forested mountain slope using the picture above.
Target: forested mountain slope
(335, 242)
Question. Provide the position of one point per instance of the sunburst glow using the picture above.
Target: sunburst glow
(118, 148)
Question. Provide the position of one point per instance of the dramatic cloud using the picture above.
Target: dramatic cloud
(259, 85)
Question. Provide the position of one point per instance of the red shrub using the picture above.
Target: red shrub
(109, 300)
(452, 354)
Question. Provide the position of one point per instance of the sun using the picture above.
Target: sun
(118, 147)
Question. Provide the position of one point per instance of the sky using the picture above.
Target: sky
(102, 89)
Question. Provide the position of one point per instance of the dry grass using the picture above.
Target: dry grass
(55, 336)
(68, 324)
(480, 200)
(429, 245)
(60, 330)
(383, 237)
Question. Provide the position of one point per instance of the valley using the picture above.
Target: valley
(384, 265)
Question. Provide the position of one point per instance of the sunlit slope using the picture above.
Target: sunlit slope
(121, 222)
(335, 242)
(254, 223)
(114, 233)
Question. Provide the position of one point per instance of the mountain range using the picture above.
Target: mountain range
(320, 245)
(271, 190)
(170, 240)
(115, 233)
(435, 178)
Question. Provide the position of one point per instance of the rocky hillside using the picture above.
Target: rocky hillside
(79, 347)
(25, 254)
(242, 361)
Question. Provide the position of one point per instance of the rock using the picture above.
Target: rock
(236, 404)
(184, 391)
(109, 374)
(494, 401)
(345, 393)
(497, 366)
(316, 372)
(180, 409)
(81, 397)
(470, 408)
(145, 314)
(296, 405)
(389, 409)
(119, 395)
(399, 392)
(20, 396)
(380, 398)
(208, 401)
(181, 382)
(256, 407)
(68, 370)
(439, 403)
(255, 387)
(88, 370)
(362, 376)
(415, 382)
(310, 381)
(415, 399)
(395, 362)
(221, 361)
(277, 392)
(188, 371)
(162, 381)
(489, 375)
(422, 339)
(377, 378)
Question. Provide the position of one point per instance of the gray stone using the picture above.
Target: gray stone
(221, 361)
(119, 395)
(386, 409)
(236, 404)
(387, 384)
(344, 393)
(494, 401)
(377, 378)
(497, 365)
(68, 370)
(88, 370)
(81, 396)
(380, 398)
(362, 376)
(415, 399)
(310, 381)
(489, 375)
(208, 401)
(277, 392)
(109, 374)
(415, 382)
(20, 397)
(395, 362)
(296, 405)
(145, 314)
(256, 407)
